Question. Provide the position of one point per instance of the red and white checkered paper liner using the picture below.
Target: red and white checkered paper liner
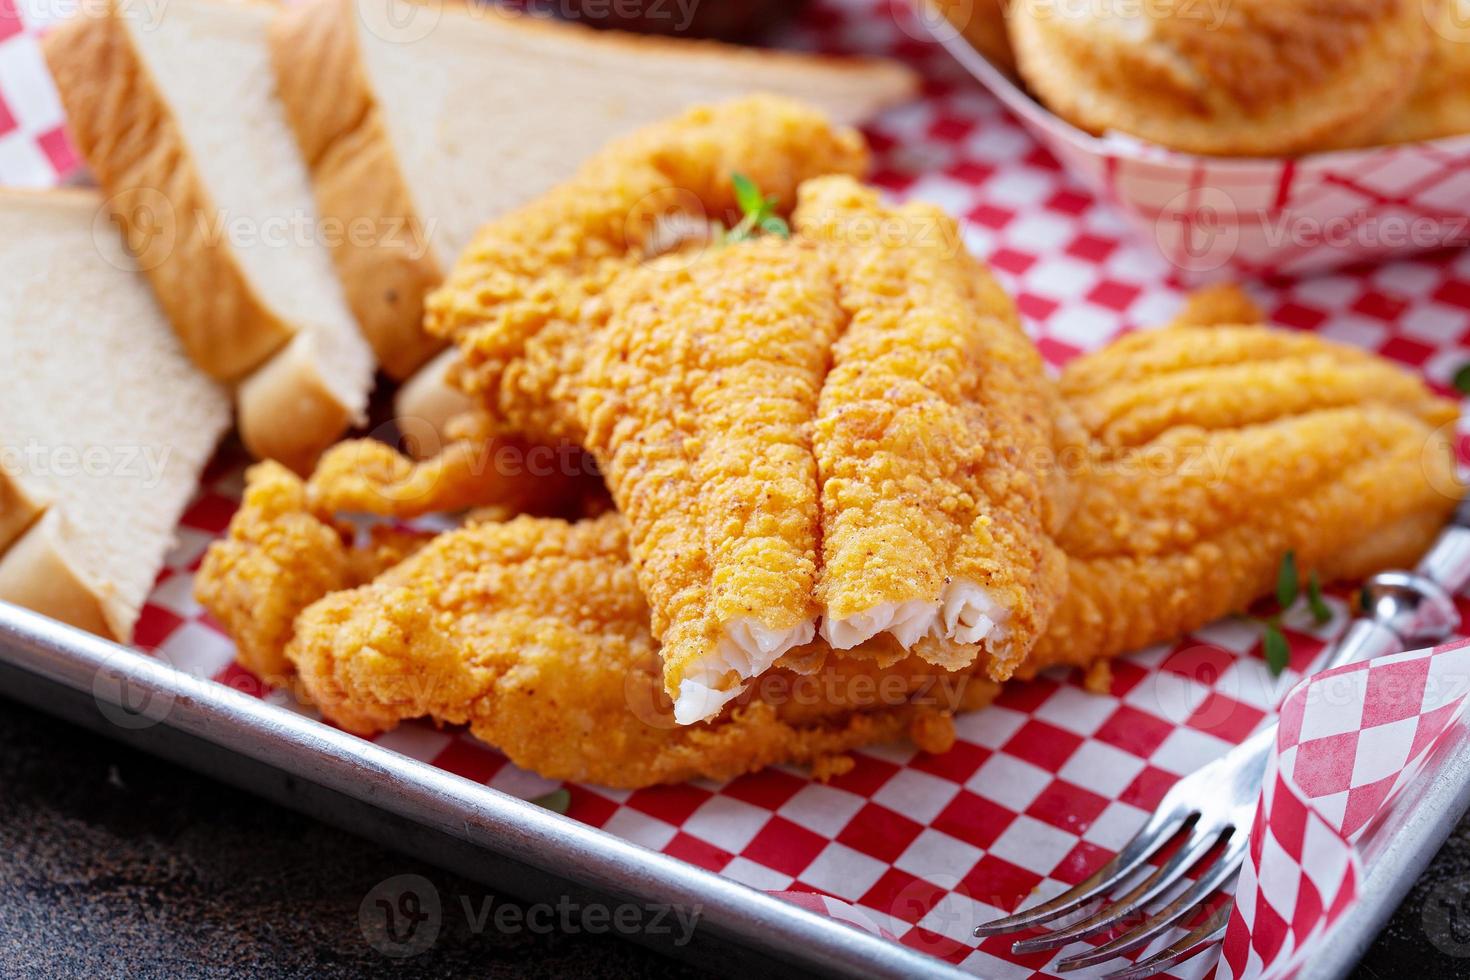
(1051, 780)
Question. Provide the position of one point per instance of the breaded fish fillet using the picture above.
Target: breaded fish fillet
(521, 301)
(533, 633)
(697, 399)
(477, 472)
(1218, 449)
(850, 423)
(279, 558)
(935, 441)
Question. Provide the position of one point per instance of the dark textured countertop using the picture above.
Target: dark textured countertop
(113, 863)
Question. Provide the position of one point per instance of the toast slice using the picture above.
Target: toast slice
(104, 423)
(174, 109)
(422, 122)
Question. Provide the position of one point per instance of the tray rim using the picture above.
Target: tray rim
(560, 846)
(473, 813)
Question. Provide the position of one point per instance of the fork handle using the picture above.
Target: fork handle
(1406, 609)
(1365, 639)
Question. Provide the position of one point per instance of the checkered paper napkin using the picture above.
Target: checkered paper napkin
(1051, 780)
(1350, 741)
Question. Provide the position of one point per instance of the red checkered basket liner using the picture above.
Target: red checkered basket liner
(1051, 780)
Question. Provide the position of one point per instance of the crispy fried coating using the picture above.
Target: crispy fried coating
(1149, 383)
(364, 476)
(277, 560)
(1224, 304)
(934, 442)
(536, 635)
(697, 400)
(521, 301)
(865, 385)
(1219, 449)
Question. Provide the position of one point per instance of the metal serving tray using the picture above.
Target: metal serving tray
(532, 852)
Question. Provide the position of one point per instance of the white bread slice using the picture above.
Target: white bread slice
(175, 111)
(426, 403)
(105, 426)
(422, 122)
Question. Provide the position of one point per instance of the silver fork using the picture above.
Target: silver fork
(1212, 808)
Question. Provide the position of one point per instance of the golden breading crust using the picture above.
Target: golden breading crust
(1244, 78)
(519, 301)
(850, 423)
(534, 633)
(363, 476)
(697, 400)
(934, 441)
(1219, 449)
(278, 559)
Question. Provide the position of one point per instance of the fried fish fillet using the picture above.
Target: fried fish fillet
(936, 439)
(522, 299)
(865, 385)
(534, 633)
(849, 425)
(697, 400)
(1215, 450)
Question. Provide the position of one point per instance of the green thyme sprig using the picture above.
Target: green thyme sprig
(1461, 380)
(758, 213)
(1288, 590)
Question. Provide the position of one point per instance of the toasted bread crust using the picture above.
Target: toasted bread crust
(287, 412)
(1268, 77)
(357, 177)
(427, 403)
(35, 573)
(124, 128)
(357, 180)
(18, 508)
